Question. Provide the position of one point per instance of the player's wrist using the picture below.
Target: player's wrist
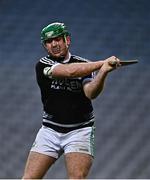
(104, 70)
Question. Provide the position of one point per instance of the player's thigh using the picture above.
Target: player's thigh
(78, 164)
(37, 165)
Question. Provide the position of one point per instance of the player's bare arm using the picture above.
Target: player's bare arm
(73, 70)
(94, 88)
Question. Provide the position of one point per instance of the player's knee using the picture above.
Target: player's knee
(30, 176)
(26, 177)
(78, 175)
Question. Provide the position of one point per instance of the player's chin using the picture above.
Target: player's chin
(59, 55)
(56, 55)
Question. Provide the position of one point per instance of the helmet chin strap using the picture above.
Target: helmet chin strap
(66, 41)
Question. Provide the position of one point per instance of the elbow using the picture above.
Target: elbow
(91, 96)
(91, 92)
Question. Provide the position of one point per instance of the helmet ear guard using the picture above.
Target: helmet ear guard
(54, 30)
(67, 40)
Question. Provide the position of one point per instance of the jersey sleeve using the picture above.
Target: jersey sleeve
(47, 71)
(88, 78)
(47, 66)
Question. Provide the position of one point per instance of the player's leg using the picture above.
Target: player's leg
(37, 165)
(44, 152)
(78, 165)
(79, 148)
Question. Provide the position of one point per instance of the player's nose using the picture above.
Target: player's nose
(54, 42)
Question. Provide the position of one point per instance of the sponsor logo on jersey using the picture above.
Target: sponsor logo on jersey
(66, 84)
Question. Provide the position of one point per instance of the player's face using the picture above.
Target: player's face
(57, 47)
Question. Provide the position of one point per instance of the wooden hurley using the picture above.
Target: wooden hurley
(125, 63)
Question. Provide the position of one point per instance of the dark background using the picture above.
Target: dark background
(98, 29)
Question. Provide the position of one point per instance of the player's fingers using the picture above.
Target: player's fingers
(117, 62)
(114, 62)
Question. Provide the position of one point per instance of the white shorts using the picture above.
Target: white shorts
(53, 143)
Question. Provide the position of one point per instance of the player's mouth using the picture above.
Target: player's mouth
(56, 50)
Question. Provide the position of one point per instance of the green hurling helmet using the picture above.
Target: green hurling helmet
(53, 30)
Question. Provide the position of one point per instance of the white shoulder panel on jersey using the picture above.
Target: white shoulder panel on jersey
(45, 60)
(80, 58)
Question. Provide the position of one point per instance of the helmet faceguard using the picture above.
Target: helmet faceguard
(54, 30)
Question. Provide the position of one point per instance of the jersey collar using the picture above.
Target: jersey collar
(63, 61)
(68, 59)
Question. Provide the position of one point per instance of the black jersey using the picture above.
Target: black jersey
(64, 101)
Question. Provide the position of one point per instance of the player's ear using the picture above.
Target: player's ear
(68, 40)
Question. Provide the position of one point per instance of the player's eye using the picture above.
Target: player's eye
(48, 40)
(58, 38)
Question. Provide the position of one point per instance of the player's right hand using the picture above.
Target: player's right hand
(110, 64)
